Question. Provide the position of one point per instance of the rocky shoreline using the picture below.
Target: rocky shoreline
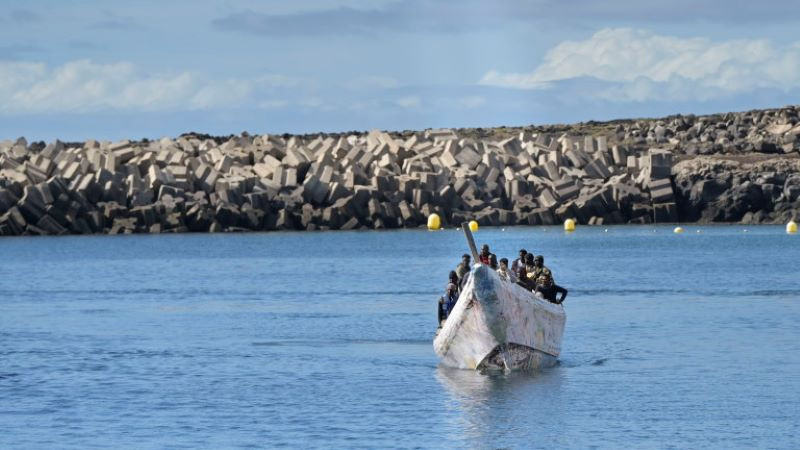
(734, 167)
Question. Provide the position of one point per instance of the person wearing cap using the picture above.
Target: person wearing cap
(538, 270)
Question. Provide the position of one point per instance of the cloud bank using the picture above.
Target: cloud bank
(642, 66)
(86, 86)
(464, 16)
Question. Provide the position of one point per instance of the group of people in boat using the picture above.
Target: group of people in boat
(527, 271)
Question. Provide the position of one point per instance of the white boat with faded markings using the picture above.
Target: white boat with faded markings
(499, 325)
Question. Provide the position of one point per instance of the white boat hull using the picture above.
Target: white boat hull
(497, 324)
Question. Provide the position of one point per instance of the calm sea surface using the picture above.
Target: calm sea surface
(324, 340)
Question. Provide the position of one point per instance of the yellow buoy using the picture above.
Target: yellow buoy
(791, 227)
(678, 230)
(434, 222)
(569, 225)
(473, 225)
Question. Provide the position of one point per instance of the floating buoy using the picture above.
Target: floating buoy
(678, 230)
(791, 227)
(473, 225)
(434, 222)
(569, 225)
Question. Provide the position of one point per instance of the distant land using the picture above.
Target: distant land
(738, 167)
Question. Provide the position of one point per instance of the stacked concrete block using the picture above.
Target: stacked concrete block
(659, 163)
(379, 179)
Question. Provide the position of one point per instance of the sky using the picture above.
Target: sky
(110, 70)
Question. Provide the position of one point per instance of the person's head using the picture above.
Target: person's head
(493, 261)
(529, 259)
(504, 263)
(465, 258)
(485, 249)
(544, 280)
(522, 253)
(453, 276)
(538, 261)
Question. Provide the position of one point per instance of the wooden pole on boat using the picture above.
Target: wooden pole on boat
(470, 241)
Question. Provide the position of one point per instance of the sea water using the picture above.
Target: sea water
(323, 339)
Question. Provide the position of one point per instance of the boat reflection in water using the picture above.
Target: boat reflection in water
(493, 410)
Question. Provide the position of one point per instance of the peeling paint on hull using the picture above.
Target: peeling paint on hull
(498, 325)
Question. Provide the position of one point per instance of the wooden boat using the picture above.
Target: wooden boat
(499, 325)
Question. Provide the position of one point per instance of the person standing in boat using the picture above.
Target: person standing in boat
(493, 262)
(448, 301)
(505, 274)
(549, 289)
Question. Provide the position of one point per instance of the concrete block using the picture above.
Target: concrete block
(602, 144)
(34, 174)
(659, 162)
(337, 191)
(551, 169)
(50, 226)
(577, 157)
(14, 219)
(597, 169)
(468, 157)
(632, 163)
(547, 199)
(123, 226)
(666, 212)
(619, 155)
(588, 144)
(661, 191)
(566, 189)
(509, 174)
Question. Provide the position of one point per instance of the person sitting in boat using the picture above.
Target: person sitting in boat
(519, 263)
(549, 289)
(493, 262)
(485, 255)
(505, 274)
(525, 273)
(448, 301)
(523, 278)
(538, 270)
(463, 267)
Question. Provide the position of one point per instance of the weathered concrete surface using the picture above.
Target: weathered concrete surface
(496, 320)
(597, 173)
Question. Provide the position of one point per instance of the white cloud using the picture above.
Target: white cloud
(273, 104)
(646, 66)
(86, 86)
(473, 101)
(409, 102)
(372, 82)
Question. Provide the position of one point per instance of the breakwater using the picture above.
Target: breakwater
(734, 167)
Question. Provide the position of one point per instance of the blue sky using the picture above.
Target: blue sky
(111, 70)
